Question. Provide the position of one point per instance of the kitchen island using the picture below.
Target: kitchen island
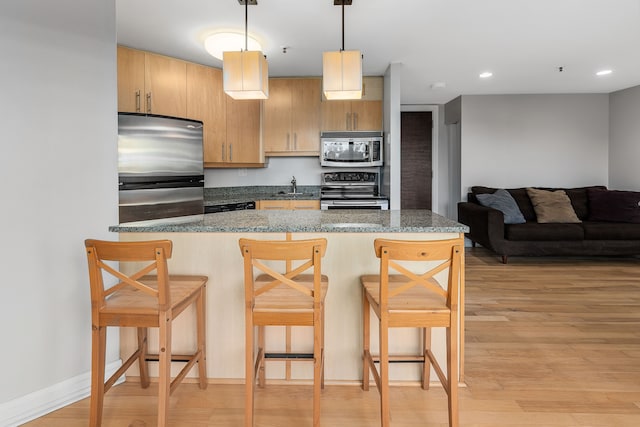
(208, 245)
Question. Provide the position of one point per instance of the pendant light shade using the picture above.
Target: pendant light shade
(245, 73)
(342, 70)
(342, 74)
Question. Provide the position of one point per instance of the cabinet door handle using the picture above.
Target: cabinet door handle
(138, 101)
(288, 142)
(223, 153)
(148, 102)
(231, 152)
(295, 141)
(348, 121)
(355, 121)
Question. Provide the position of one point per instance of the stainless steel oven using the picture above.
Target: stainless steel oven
(351, 190)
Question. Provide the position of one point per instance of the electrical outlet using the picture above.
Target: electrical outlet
(242, 172)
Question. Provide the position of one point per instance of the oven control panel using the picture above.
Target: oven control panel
(346, 177)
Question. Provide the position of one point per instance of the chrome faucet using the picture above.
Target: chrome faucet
(294, 188)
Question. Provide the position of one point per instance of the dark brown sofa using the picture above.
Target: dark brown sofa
(606, 235)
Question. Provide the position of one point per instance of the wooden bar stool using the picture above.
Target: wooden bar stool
(141, 301)
(406, 299)
(283, 297)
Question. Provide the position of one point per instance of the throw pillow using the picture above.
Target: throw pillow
(614, 206)
(505, 203)
(552, 206)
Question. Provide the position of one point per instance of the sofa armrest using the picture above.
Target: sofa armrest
(486, 225)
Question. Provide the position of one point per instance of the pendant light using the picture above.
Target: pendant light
(245, 73)
(342, 70)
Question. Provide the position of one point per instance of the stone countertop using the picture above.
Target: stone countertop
(301, 221)
(223, 195)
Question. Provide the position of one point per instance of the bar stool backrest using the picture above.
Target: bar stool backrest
(154, 253)
(309, 251)
(442, 254)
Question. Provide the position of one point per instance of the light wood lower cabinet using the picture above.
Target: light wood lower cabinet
(288, 204)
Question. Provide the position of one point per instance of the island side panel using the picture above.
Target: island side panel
(348, 256)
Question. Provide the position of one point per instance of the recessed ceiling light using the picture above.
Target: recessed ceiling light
(217, 43)
(604, 72)
(486, 75)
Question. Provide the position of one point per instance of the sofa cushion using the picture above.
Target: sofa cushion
(504, 202)
(541, 232)
(614, 206)
(611, 231)
(580, 199)
(552, 206)
(518, 194)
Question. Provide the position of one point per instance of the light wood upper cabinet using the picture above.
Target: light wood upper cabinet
(150, 83)
(165, 85)
(364, 114)
(243, 145)
(351, 115)
(291, 117)
(231, 128)
(207, 102)
(131, 90)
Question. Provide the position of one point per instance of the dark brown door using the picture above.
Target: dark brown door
(415, 172)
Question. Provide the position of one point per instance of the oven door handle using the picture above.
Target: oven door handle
(355, 202)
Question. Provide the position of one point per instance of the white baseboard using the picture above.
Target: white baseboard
(41, 402)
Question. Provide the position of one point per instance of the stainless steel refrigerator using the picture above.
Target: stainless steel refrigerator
(160, 167)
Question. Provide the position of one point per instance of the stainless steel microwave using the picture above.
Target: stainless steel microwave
(351, 149)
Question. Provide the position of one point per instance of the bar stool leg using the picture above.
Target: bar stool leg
(164, 369)
(98, 348)
(202, 333)
(452, 372)
(249, 379)
(384, 372)
(366, 316)
(262, 377)
(143, 345)
(426, 366)
(317, 366)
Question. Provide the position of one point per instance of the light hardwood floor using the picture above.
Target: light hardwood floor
(551, 342)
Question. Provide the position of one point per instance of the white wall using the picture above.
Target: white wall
(279, 171)
(58, 170)
(534, 140)
(624, 139)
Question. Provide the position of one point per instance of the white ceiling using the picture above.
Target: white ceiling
(523, 42)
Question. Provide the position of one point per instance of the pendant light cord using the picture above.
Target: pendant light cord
(342, 26)
(246, 25)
